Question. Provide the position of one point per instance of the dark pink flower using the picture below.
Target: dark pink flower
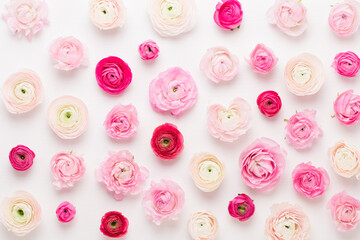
(65, 212)
(21, 157)
(114, 224)
(228, 14)
(269, 103)
(241, 207)
(346, 64)
(148, 50)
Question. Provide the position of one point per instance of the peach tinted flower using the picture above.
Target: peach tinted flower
(262, 59)
(21, 158)
(148, 50)
(203, 225)
(269, 103)
(241, 207)
(107, 14)
(347, 108)
(344, 18)
(65, 212)
(346, 64)
(228, 14)
(345, 159)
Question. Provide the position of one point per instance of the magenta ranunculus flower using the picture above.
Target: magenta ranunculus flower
(269, 103)
(113, 75)
(262, 59)
(344, 18)
(346, 64)
(310, 181)
(114, 224)
(65, 212)
(149, 50)
(347, 107)
(262, 163)
(241, 207)
(21, 158)
(228, 14)
(345, 211)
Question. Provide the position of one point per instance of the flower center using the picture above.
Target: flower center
(20, 212)
(113, 224)
(166, 142)
(68, 115)
(175, 89)
(241, 208)
(22, 157)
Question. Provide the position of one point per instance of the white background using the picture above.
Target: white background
(69, 17)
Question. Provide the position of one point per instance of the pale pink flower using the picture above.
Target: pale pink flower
(262, 59)
(347, 107)
(203, 225)
(345, 159)
(344, 18)
(107, 14)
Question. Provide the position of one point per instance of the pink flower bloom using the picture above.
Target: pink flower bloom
(345, 211)
(302, 129)
(65, 212)
(107, 14)
(148, 50)
(241, 207)
(310, 181)
(173, 90)
(346, 64)
(269, 103)
(163, 200)
(228, 14)
(121, 122)
(344, 18)
(21, 158)
(66, 169)
(121, 175)
(262, 59)
(26, 17)
(347, 108)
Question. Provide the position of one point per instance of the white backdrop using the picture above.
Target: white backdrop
(69, 17)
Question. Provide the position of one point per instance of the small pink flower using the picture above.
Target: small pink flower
(262, 59)
(21, 158)
(228, 14)
(345, 159)
(65, 212)
(241, 207)
(346, 64)
(345, 211)
(148, 50)
(269, 103)
(344, 18)
(347, 108)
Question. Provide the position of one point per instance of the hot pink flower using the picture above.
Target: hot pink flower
(228, 14)
(347, 108)
(344, 18)
(114, 224)
(21, 158)
(65, 212)
(269, 103)
(262, 59)
(241, 207)
(148, 50)
(346, 64)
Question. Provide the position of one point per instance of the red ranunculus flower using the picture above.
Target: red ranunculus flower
(241, 207)
(114, 224)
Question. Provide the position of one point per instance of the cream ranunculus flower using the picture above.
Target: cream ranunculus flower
(345, 159)
(172, 17)
(203, 225)
(107, 14)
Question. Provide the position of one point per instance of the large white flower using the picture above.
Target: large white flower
(107, 14)
(203, 225)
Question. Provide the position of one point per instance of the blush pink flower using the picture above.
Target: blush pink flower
(346, 64)
(241, 207)
(302, 129)
(174, 91)
(262, 163)
(345, 159)
(163, 200)
(148, 50)
(121, 175)
(269, 103)
(344, 18)
(262, 59)
(345, 211)
(107, 14)
(21, 158)
(310, 181)
(347, 107)
(203, 225)
(228, 14)
(65, 212)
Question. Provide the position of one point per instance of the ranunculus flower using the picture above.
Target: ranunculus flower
(289, 16)
(203, 225)
(21, 158)
(310, 181)
(304, 74)
(167, 141)
(174, 91)
(67, 117)
(114, 224)
(26, 17)
(170, 18)
(269, 103)
(228, 14)
(207, 171)
(148, 50)
(344, 18)
(347, 107)
(121, 175)
(113, 75)
(228, 124)
(241, 207)
(22, 91)
(68, 53)
(302, 129)
(66, 169)
(262, 163)
(345, 159)
(163, 200)
(121, 122)
(262, 59)
(287, 222)
(219, 64)
(107, 14)
(65, 212)
(346, 64)
(20, 213)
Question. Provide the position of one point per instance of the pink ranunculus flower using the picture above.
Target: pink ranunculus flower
(302, 129)
(262, 59)
(203, 225)
(310, 181)
(163, 200)
(26, 17)
(345, 159)
(289, 16)
(219, 64)
(107, 14)
(21, 158)
(262, 163)
(241, 207)
(174, 91)
(121, 175)
(65, 212)
(344, 18)
(346, 64)
(68, 53)
(148, 50)
(228, 14)
(228, 124)
(347, 107)
(269, 103)
(345, 211)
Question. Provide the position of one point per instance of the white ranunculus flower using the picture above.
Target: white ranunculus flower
(345, 159)
(107, 14)
(203, 225)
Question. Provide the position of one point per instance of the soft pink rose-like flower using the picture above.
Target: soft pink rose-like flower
(65, 212)
(228, 14)
(269, 103)
(66, 169)
(289, 16)
(121, 175)
(310, 181)
(347, 107)
(228, 124)
(345, 211)
(219, 64)
(174, 91)
(262, 163)
(241, 207)
(163, 200)
(344, 18)
(121, 122)
(203, 225)
(262, 59)
(302, 129)
(287, 222)
(26, 17)
(107, 14)
(346, 64)
(149, 50)
(68, 53)
(345, 159)
(22, 91)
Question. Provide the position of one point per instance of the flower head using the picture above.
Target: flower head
(269, 103)
(114, 224)
(65, 212)
(228, 14)
(347, 108)
(262, 59)
(344, 18)
(107, 14)
(21, 158)
(203, 225)
(241, 207)
(148, 50)
(345, 159)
